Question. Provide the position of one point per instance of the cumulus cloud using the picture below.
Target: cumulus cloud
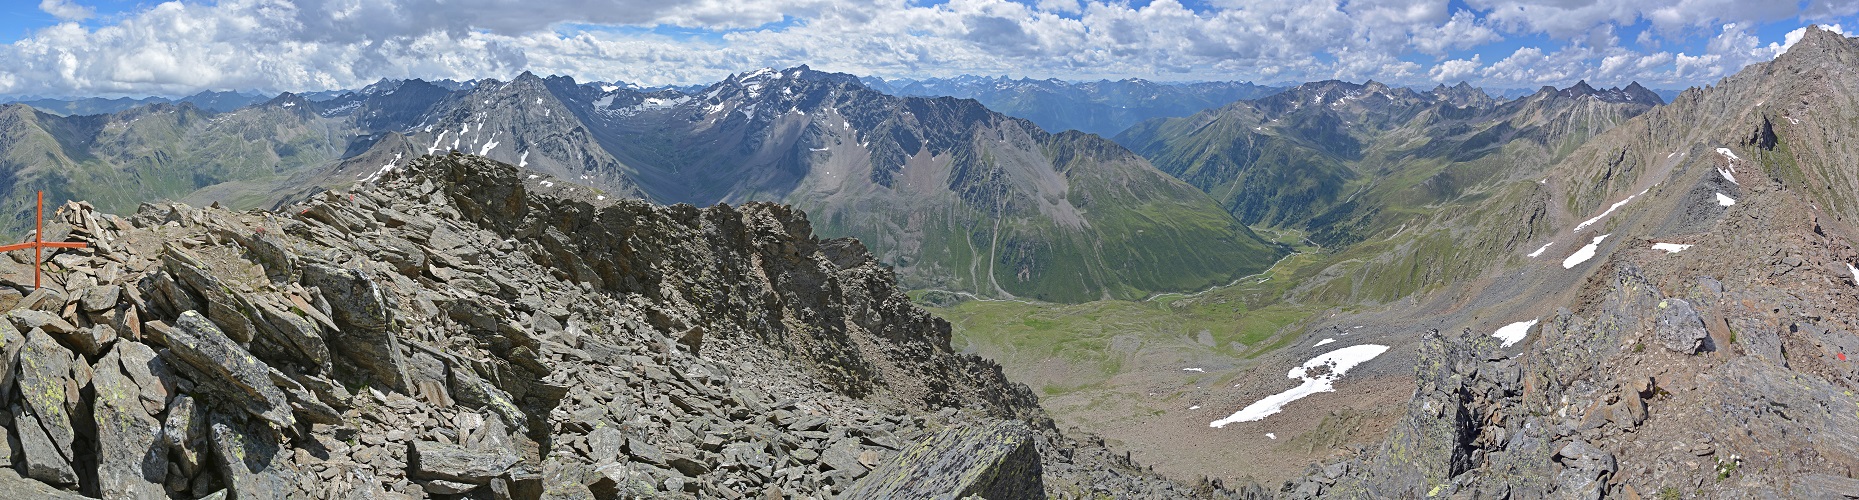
(183, 46)
(66, 10)
(1454, 70)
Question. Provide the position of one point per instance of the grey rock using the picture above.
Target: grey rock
(444, 487)
(250, 456)
(46, 433)
(997, 460)
(13, 486)
(363, 309)
(100, 298)
(435, 460)
(132, 463)
(606, 444)
(207, 354)
(155, 381)
(28, 319)
(1679, 327)
(40, 455)
(1587, 470)
(296, 333)
(185, 433)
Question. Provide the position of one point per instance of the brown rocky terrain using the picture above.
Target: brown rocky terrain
(461, 329)
(1719, 369)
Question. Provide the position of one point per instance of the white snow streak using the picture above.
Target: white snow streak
(1586, 252)
(1272, 436)
(1855, 271)
(435, 143)
(1539, 251)
(1324, 341)
(1514, 332)
(1670, 247)
(1727, 153)
(1193, 370)
(1725, 200)
(1597, 218)
(522, 159)
(488, 145)
(1339, 362)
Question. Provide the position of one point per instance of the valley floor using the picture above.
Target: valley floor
(1151, 375)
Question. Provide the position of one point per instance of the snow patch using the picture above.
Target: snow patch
(816, 150)
(488, 145)
(1271, 436)
(1324, 341)
(1586, 252)
(289, 103)
(1195, 407)
(1855, 271)
(1539, 251)
(1727, 153)
(532, 176)
(1513, 333)
(547, 184)
(522, 159)
(435, 142)
(609, 88)
(1728, 176)
(1725, 200)
(1597, 218)
(598, 197)
(1193, 370)
(1670, 247)
(1338, 361)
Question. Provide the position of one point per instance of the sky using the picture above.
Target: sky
(111, 48)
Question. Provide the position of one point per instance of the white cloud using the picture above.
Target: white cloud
(181, 47)
(1454, 70)
(1066, 6)
(66, 10)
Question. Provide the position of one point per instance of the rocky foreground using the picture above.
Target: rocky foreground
(463, 330)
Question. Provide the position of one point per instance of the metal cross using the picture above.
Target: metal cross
(38, 242)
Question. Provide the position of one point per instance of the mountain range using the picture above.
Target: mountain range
(1102, 107)
(954, 195)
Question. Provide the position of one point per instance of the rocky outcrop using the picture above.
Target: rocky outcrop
(994, 461)
(460, 330)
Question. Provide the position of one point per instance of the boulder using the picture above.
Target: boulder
(131, 462)
(997, 460)
(185, 433)
(1679, 327)
(43, 422)
(296, 335)
(362, 308)
(250, 457)
(448, 462)
(1586, 470)
(210, 357)
(155, 381)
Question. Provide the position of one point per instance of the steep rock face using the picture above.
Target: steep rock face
(462, 329)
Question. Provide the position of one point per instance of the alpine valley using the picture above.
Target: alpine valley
(802, 284)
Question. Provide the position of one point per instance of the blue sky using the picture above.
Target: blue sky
(136, 48)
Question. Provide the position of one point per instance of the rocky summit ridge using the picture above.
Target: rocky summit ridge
(459, 328)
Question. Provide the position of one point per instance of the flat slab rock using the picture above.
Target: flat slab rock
(448, 462)
(996, 460)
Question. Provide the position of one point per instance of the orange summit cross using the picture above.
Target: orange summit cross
(38, 242)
